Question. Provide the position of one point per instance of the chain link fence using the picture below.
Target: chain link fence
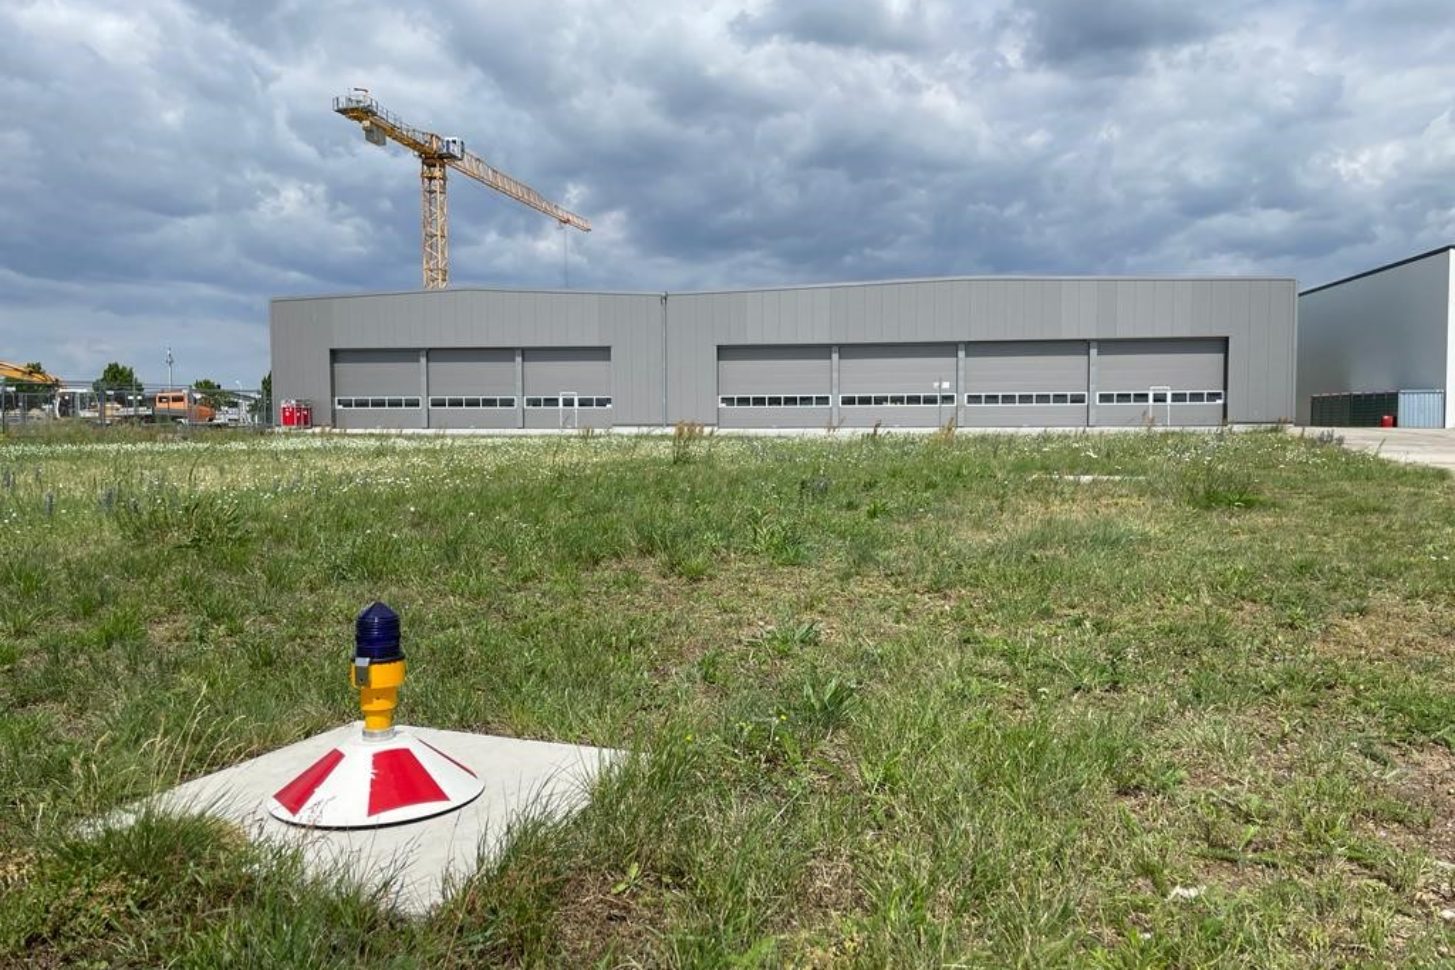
(190, 409)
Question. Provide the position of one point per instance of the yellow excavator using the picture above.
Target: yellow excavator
(23, 379)
(21, 374)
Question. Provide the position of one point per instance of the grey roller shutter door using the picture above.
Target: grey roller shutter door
(762, 374)
(773, 370)
(552, 372)
(893, 376)
(463, 381)
(366, 372)
(475, 372)
(1025, 384)
(1141, 368)
(384, 376)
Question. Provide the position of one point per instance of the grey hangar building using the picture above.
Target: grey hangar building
(982, 352)
(1384, 337)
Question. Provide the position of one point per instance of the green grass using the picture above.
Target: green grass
(901, 702)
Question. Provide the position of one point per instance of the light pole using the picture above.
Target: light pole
(169, 368)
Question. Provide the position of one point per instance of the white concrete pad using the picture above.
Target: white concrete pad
(522, 779)
(1420, 446)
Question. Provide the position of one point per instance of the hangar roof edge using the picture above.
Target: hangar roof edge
(1380, 269)
(1021, 278)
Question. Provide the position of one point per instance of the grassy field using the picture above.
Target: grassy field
(904, 702)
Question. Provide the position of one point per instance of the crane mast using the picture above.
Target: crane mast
(437, 154)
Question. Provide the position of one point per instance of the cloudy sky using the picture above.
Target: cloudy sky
(168, 166)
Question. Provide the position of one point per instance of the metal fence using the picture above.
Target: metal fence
(1361, 410)
(188, 408)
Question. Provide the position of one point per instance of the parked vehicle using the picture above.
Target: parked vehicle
(112, 406)
(184, 407)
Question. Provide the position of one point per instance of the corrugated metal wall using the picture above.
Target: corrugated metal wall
(1422, 409)
(1255, 316)
(305, 330)
(1387, 329)
(664, 350)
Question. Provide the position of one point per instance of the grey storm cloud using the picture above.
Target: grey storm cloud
(866, 24)
(171, 165)
(1114, 36)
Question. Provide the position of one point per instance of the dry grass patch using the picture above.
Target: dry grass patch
(1392, 630)
(1423, 780)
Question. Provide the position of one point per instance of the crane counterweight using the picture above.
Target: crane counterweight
(437, 154)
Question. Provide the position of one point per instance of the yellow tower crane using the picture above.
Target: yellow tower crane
(436, 154)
